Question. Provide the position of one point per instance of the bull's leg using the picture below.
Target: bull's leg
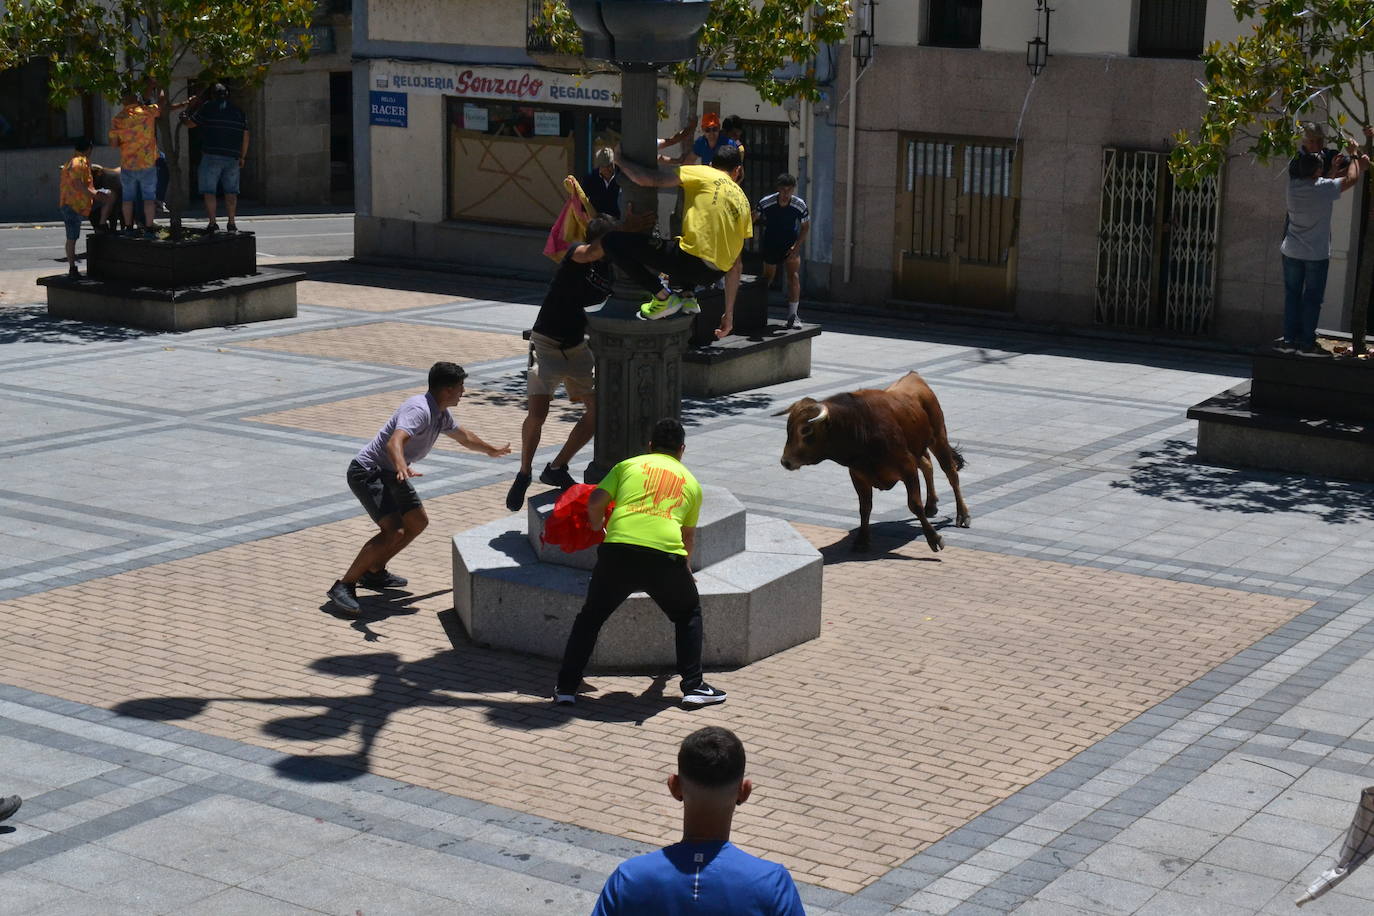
(945, 455)
(913, 501)
(865, 492)
(928, 472)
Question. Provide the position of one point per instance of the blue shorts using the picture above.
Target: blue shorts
(72, 220)
(134, 182)
(216, 169)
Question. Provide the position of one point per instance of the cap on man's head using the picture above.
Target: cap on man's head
(219, 90)
(710, 121)
(604, 158)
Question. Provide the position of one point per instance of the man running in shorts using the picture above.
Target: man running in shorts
(786, 221)
(380, 477)
(561, 355)
(715, 223)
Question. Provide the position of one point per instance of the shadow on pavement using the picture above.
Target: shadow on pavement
(461, 678)
(1173, 473)
(31, 324)
(886, 539)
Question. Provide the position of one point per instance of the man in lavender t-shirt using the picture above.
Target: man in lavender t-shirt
(380, 478)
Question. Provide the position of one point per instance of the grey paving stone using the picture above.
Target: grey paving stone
(1227, 886)
(235, 901)
(1098, 893)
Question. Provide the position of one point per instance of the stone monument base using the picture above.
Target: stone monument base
(764, 357)
(269, 294)
(760, 585)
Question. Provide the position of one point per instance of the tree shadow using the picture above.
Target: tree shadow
(464, 677)
(32, 324)
(1174, 473)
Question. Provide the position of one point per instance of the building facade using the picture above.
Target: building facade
(300, 118)
(984, 189)
(466, 129)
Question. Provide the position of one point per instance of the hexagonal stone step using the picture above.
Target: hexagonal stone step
(720, 530)
(762, 600)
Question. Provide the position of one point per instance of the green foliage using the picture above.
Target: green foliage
(1303, 60)
(109, 47)
(758, 38)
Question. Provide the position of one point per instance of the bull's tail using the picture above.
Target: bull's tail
(958, 458)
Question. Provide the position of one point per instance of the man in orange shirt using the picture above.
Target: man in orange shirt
(76, 192)
(133, 130)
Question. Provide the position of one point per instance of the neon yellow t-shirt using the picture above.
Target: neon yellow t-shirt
(655, 498)
(717, 217)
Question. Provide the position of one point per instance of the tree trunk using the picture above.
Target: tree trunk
(169, 140)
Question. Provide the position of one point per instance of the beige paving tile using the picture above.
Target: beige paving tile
(937, 687)
(368, 298)
(396, 343)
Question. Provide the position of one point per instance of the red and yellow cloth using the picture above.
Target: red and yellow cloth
(132, 131)
(74, 186)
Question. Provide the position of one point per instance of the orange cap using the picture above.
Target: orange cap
(710, 119)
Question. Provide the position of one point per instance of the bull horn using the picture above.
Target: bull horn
(823, 412)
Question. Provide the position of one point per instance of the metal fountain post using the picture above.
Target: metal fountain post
(638, 363)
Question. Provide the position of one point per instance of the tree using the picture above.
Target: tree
(1303, 61)
(110, 47)
(758, 38)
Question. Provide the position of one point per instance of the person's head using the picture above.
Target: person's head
(787, 186)
(733, 127)
(1313, 137)
(604, 160)
(668, 437)
(1309, 165)
(82, 145)
(710, 770)
(219, 91)
(727, 159)
(710, 126)
(446, 382)
(599, 226)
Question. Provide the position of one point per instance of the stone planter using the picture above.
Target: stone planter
(193, 259)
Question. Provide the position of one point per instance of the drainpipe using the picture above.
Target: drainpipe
(849, 169)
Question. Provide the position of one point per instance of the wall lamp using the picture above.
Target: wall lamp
(1038, 48)
(863, 38)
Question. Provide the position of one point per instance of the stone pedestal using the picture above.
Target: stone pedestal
(759, 580)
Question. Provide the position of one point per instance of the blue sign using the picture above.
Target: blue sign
(389, 109)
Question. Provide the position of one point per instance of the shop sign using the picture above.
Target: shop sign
(389, 109)
(513, 84)
(548, 124)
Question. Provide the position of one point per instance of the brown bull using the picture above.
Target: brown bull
(882, 437)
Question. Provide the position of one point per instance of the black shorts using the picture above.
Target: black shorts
(776, 254)
(380, 492)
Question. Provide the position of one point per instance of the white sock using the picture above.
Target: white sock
(792, 309)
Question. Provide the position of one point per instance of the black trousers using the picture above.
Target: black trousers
(636, 253)
(620, 570)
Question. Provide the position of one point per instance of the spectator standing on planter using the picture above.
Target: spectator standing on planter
(223, 151)
(134, 131)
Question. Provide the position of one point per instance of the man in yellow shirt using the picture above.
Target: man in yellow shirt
(133, 130)
(648, 548)
(76, 192)
(715, 223)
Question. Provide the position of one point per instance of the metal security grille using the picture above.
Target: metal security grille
(765, 158)
(1171, 28)
(929, 165)
(990, 211)
(1156, 246)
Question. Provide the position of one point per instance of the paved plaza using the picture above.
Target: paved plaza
(1137, 685)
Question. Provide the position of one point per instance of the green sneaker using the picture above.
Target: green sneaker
(660, 308)
(690, 305)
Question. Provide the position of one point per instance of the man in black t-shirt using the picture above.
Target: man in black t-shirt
(786, 221)
(223, 132)
(561, 355)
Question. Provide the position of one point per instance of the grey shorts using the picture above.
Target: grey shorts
(572, 366)
(380, 492)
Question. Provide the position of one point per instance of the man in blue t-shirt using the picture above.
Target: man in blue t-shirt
(786, 221)
(712, 138)
(380, 477)
(705, 874)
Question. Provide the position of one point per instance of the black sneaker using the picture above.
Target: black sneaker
(556, 477)
(564, 699)
(344, 597)
(793, 322)
(382, 580)
(1314, 350)
(9, 805)
(516, 497)
(702, 694)
(73, 273)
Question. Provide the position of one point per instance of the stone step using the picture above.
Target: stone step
(757, 602)
(720, 530)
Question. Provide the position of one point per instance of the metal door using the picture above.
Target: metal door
(956, 221)
(1156, 245)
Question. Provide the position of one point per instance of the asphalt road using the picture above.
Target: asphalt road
(279, 239)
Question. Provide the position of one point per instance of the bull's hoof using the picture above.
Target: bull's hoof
(937, 543)
(930, 508)
(963, 521)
